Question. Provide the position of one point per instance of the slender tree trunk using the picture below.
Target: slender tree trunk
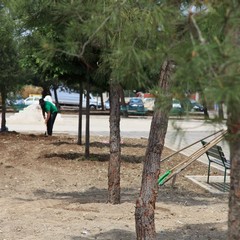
(220, 111)
(102, 103)
(233, 123)
(87, 136)
(4, 110)
(123, 103)
(80, 114)
(56, 98)
(205, 109)
(145, 204)
(234, 195)
(115, 148)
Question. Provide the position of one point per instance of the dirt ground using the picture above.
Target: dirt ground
(50, 192)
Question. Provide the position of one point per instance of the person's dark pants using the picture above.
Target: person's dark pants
(50, 123)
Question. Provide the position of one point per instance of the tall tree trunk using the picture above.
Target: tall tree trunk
(220, 111)
(233, 123)
(123, 103)
(145, 204)
(102, 102)
(56, 97)
(4, 110)
(115, 148)
(80, 114)
(234, 197)
(205, 109)
(87, 135)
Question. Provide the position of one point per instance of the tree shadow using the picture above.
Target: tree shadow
(123, 145)
(186, 232)
(194, 232)
(64, 156)
(93, 157)
(92, 195)
(59, 143)
(115, 234)
(186, 197)
(96, 195)
(103, 143)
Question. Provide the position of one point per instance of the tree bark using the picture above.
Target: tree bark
(205, 109)
(220, 111)
(87, 130)
(145, 204)
(123, 103)
(234, 195)
(102, 102)
(80, 114)
(233, 123)
(115, 148)
(3, 122)
(56, 97)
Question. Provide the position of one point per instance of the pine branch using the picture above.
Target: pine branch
(200, 36)
(91, 37)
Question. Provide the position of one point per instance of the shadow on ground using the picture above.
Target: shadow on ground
(201, 232)
(96, 195)
(221, 186)
(93, 157)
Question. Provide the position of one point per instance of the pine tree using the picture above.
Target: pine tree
(9, 66)
(213, 58)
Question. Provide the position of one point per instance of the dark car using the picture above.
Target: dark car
(190, 105)
(136, 104)
(196, 107)
(177, 108)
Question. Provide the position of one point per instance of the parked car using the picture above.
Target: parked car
(176, 103)
(196, 106)
(16, 102)
(107, 105)
(191, 105)
(136, 104)
(149, 103)
(177, 108)
(71, 98)
(32, 100)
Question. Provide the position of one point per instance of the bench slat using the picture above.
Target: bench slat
(215, 154)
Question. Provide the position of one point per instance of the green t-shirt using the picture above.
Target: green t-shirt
(49, 107)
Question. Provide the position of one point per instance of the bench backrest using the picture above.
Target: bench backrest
(215, 152)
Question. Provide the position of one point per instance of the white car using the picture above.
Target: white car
(32, 100)
(71, 98)
(107, 104)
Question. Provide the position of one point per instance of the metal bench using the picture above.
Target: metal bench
(215, 155)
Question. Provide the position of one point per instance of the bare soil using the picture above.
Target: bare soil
(49, 191)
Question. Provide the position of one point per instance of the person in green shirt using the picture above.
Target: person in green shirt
(50, 112)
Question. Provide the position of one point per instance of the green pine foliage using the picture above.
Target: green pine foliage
(211, 61)
(127, 41)
(9, 68)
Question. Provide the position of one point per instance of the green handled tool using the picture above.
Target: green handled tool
(182, 165)
(163, 177)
